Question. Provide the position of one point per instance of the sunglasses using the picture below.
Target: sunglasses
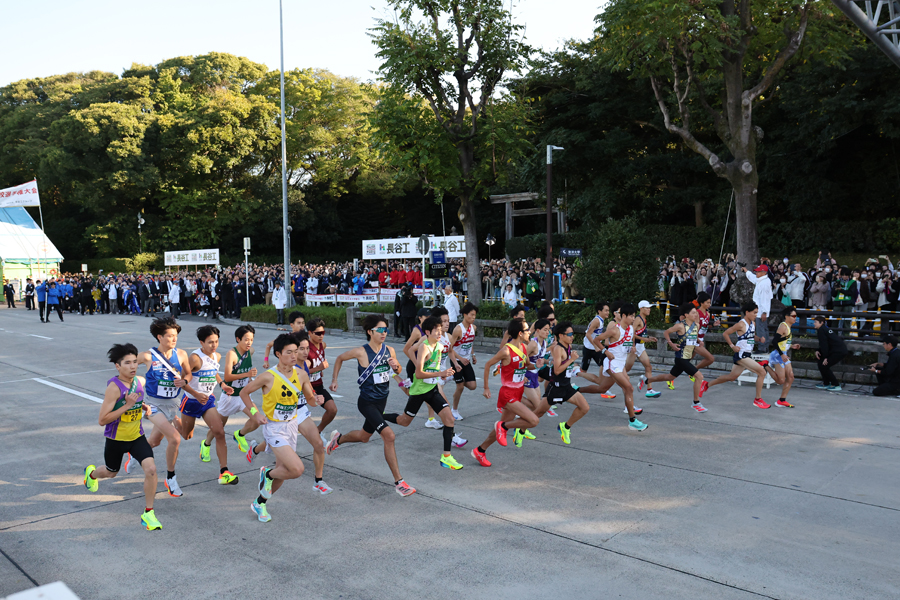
(570, 334)
(380, 330)
(318, 332)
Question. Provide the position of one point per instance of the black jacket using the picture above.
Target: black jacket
(890, 372)
(831, 344)
(408, 306)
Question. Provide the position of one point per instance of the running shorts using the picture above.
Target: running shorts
(191, 407)
(558, 395)
(284, 433)
(531, 380)
(466, 375)
(373, 412)
(509, 395)
(613, 366)
(778, 359)
(739, 356)
(683, 365)
(115, 449)
(322, 391)
(591, 355)
(229, 405)
(432, 397)
(544, 373)
(639, 350)
(169, 407)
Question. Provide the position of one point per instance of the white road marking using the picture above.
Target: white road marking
(43, 337)
(70, 391)
(56, 376)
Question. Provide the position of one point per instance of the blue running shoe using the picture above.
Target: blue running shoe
(265, 484)
(637, 426)
(653, 394)
(262, 513)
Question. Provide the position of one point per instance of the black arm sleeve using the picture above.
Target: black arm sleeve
(891, 370)
(778, 337)
(822, 333)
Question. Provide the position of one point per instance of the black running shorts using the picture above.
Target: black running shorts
(682, 365)
(467, 374)
(739, 356)
(115, 449)
(558, 395)
(323, 391)
(373, 413)
(591, 355)
(432, 397)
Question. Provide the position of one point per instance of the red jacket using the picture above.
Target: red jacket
(401, 277)
(415, 277)
(395, 277)
(383, 278)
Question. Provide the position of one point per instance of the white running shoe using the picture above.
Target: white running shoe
(130, 463)
(323, 488)
(456, 414)
(172, 486)
(434, 424)
(324, 439)
(551, 413)
(458, 441)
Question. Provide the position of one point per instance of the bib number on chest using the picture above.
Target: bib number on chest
(166, 389)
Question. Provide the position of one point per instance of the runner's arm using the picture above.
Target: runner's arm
(194, 360)
(502, 354)
(262, 382)
(322, 366)
(339, 361)
(414, 337)
(268, 349)
(312, 399)
(185, 368)
(593, 339)
(736, 328)
(107, 414)
(674, 328)
(560, 364)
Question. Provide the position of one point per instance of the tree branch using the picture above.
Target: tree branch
(795, 38)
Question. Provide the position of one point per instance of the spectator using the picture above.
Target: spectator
(888, 374)
(798, 284)
(844, 294)
(820, 292)
(510, 297)
(832, 350)
(279, 300)
(451, 303)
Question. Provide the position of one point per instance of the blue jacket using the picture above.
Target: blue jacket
(53, 295)
(41, 292)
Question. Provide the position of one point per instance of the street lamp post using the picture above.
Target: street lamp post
(284, 190)
(141, 221)
(548, 276)
(490, 241)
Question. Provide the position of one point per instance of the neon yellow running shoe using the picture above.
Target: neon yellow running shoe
(228, 478)
(241, 442)
(450, 462)
(564, 432)
(670, 385)
(89, 482)
(151, 523)
(528, 435)
(518, 436)
(204, 451)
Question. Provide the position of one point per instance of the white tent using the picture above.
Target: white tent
(24, 249)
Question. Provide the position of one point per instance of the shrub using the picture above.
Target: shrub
(143, 262)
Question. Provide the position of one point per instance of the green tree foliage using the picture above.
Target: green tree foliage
(620, 264)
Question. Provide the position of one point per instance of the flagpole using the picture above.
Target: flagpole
(44, 241)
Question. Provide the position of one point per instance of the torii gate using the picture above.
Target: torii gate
(886, 34)
(511, 211)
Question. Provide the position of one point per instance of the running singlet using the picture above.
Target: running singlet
(127, 427)
(160, 380)
(597, 331)
(564, 379)
(542, 352)
(244, 364)
(432, 365)
(746, 340)
(377, 386)
(688, 342)
(281, 403)
(513, 374)
(316, 358)
(204, 380)
(463, 345)
(784, 344)
(445, 352)
(704, 324)
(622, 346)
(641, 332)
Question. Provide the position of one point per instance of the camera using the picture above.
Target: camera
(741, 264)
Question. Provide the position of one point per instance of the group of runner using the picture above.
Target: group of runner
(178, 387)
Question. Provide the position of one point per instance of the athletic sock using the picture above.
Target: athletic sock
(567, 426)
(448, 438)
(631, 419)
(696, 402)
(781, 399)
(391, 417)
(170, 474)
(260, 500)
(255, 451)
(148, 510)
(318, 479)
(503, 425)
(268, 475)
(339, 439)
(398, 482)
(222, 470)
(482, 450)
(207, 444)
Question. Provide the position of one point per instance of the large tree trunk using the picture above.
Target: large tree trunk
(473, 266)
(745, 193)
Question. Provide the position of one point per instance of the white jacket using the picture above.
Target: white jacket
(174, 293)
(279, 298)
(452, 306)
(762, 294)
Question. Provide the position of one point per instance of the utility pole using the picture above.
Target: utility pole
(548, 272)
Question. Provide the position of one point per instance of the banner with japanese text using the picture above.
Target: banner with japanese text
(20, 195)
(453, 246)
(209, 256)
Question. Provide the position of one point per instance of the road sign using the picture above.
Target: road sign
(83, 268)
(570, 252)
(424, 245)
(438, 257)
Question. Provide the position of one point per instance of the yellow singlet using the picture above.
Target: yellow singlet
(281, 403)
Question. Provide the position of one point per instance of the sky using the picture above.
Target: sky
(50, 37)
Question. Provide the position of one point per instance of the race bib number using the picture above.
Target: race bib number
(382, 374)
(284, 412)
(166, 389)
(207, 384)
(518, 375)
(132, 414)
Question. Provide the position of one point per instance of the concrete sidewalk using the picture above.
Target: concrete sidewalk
(733, 503)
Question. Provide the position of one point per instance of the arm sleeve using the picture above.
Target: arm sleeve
(778, 337)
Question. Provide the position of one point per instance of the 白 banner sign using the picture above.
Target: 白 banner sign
(362, 298)
(210, 256)
(453, 246)
(20, 195)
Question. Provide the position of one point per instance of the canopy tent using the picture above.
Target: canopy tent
(24, 249)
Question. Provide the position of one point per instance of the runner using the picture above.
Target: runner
(563, 369)
(168, 371)
(703, 303)
(516, 312)
(538, 356)
(441, 313)
(461, 342)
(424, 389)
(120, 414)
(297, 321)
(743, 350)
(640, 353)
(594, 350)
(413, 340)
(239, 371)
(376, 360)
(317, 367)
(284, 412)
(201, 403)
(779, 362)
(687, 338)
(514, 414)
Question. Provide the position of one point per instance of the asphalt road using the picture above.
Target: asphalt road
(734, 503)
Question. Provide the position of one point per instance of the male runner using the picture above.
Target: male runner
(703, 303)
(286, 392)
(779, 362)
(297, 321)
(514, 415)
(461, 341)
(408, 349)
(594, 350)
(424, 389)
(120, 414)
(168, 372)
(239, 371)
(687, 338)
(201, 403)
(317, 367)
(563, 369)
(538, 351)
(441, 313)
(743, 350)
(375, 361)
(640, 353)
(516, 312)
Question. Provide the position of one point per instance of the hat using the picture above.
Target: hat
(763, 268)
(423, 312)
(644, 304)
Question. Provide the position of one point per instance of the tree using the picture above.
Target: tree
(453, 55)
(715, 61)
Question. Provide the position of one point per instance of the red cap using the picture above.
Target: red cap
(763, 268)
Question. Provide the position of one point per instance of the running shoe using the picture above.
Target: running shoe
(456, 414)
(641, 382)
(481, 457)
(760, 403)
(670, 385)
(265, 484)
(129, 463)
(323, 488)
(691, 377)
(699, 407)
(241, 441)
(564, 433)
(250, 454)
(405, 384)
(834, 388)
(518, 437)
(151, 523)
(703, 387)
(653, 394)
(501, 433)
(783, 403)
(608, 396)
(637, 410)
(90, 483)
(323, 438)
(459, 441)
(433, 424)
(637, 425)
(172, 487)
(450, 462)
(822, 386)
(333, 444)
(551, 412)
(528, 435)
(262, 513)
(228, 478)
(404, 489)
(204, 451)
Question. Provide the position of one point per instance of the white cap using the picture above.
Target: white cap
(644, 304)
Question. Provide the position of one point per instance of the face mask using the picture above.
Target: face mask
(783, 280)
(862, 276)
(568, 272)
(785, 261)
(828, 269)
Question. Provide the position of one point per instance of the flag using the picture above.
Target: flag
(20, 195)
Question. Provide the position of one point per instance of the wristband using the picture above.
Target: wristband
(253, 411)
